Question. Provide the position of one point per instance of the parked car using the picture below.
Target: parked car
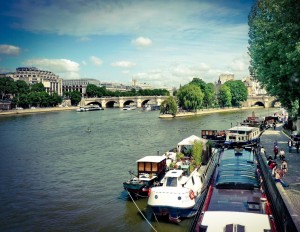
(19, 108)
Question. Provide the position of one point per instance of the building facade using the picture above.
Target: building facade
(79, 85)
(32, 75)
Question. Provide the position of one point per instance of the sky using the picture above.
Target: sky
(163, 43)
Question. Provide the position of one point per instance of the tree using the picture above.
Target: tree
(238, 92)
(38, 87)
(274, 39)
(208, 89)
(169, 106)
(224, 96)
(7, 86)
(91, 90)
(22, 87)
(190, 97)
(75, 97)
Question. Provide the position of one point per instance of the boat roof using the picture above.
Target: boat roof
(174, 173)
(237, 170)
(243, 128)
(152, 159)
(250, 221)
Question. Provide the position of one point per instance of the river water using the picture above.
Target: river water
(56, 176)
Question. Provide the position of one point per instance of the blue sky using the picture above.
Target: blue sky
(164, 43)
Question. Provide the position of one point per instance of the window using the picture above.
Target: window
(171, 182)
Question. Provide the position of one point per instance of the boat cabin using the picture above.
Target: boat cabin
(149, 166)
(242, 134)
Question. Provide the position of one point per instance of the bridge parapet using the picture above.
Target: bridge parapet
(138, 101)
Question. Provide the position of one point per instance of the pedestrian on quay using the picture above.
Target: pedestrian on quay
(275, 143)
(284, 167)
(263, 151)
(275, 152)
(278, 179)
(290, 145)
(281, 154)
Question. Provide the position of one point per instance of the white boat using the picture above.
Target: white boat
(129, 107)
(89, 108)
(179, 195)
(242, 136)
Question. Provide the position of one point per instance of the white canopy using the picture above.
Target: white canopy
(190, 141)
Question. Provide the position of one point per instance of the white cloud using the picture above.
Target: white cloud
(84, 62)
(9, 50)
(96, 61)
(123, 64)
(62, 67)
(142, 42)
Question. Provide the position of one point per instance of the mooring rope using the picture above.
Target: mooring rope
(141, 212)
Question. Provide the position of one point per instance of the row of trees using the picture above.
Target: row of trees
(95, 91)
(274, 39)
(25, 95)
(198, 95)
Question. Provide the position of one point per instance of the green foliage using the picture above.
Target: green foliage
(207, 89)
(91, 90)
(190, 97)
(274, 39)
(169, 106)
(38, 87)
(225, 96)
(7, 86)
(238, 92)
(75, 97)
(197, 152)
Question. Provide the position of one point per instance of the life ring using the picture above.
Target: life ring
(192, 194)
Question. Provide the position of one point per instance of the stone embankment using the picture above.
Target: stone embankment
(36, 110)
(204, 111)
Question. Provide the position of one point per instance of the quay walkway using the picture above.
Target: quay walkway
(290, 194)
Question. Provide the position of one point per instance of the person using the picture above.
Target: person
(274, 125)
(272, 165)
(281, 154)
(297, 146)
(270, 160)
(284, 167)
(275, 143)
(275, 152)
(274, 170)
(263, 151)
(290, 145)
(278, 179)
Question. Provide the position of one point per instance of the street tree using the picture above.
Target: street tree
(190, 97)
(37, 87)
(91, 90)
(207, 89)
(7, 86)
(274, 39)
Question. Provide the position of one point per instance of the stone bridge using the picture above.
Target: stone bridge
(261, 100)
(120, 102)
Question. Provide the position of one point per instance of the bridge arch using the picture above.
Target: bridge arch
(259, 103)
(95, 103)
(128, 102)
(110, 104)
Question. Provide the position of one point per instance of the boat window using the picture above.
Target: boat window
(141, 167)
(148, 167)
(171, 182)
(154, 167)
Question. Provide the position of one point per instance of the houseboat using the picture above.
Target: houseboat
(242, 136)
(236, 200)
(150, 171)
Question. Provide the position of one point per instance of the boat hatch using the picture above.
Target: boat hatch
(234, 228)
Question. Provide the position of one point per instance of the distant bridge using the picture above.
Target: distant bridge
(120, 102)
(140, 101)
(261, 100)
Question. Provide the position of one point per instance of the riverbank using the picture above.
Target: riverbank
(37, 110)
(205, 111)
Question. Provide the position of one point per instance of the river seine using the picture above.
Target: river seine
(57, 176)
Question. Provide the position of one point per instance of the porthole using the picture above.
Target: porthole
(156, 196)
(179, 198)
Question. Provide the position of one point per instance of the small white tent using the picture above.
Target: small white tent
(190, 142)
